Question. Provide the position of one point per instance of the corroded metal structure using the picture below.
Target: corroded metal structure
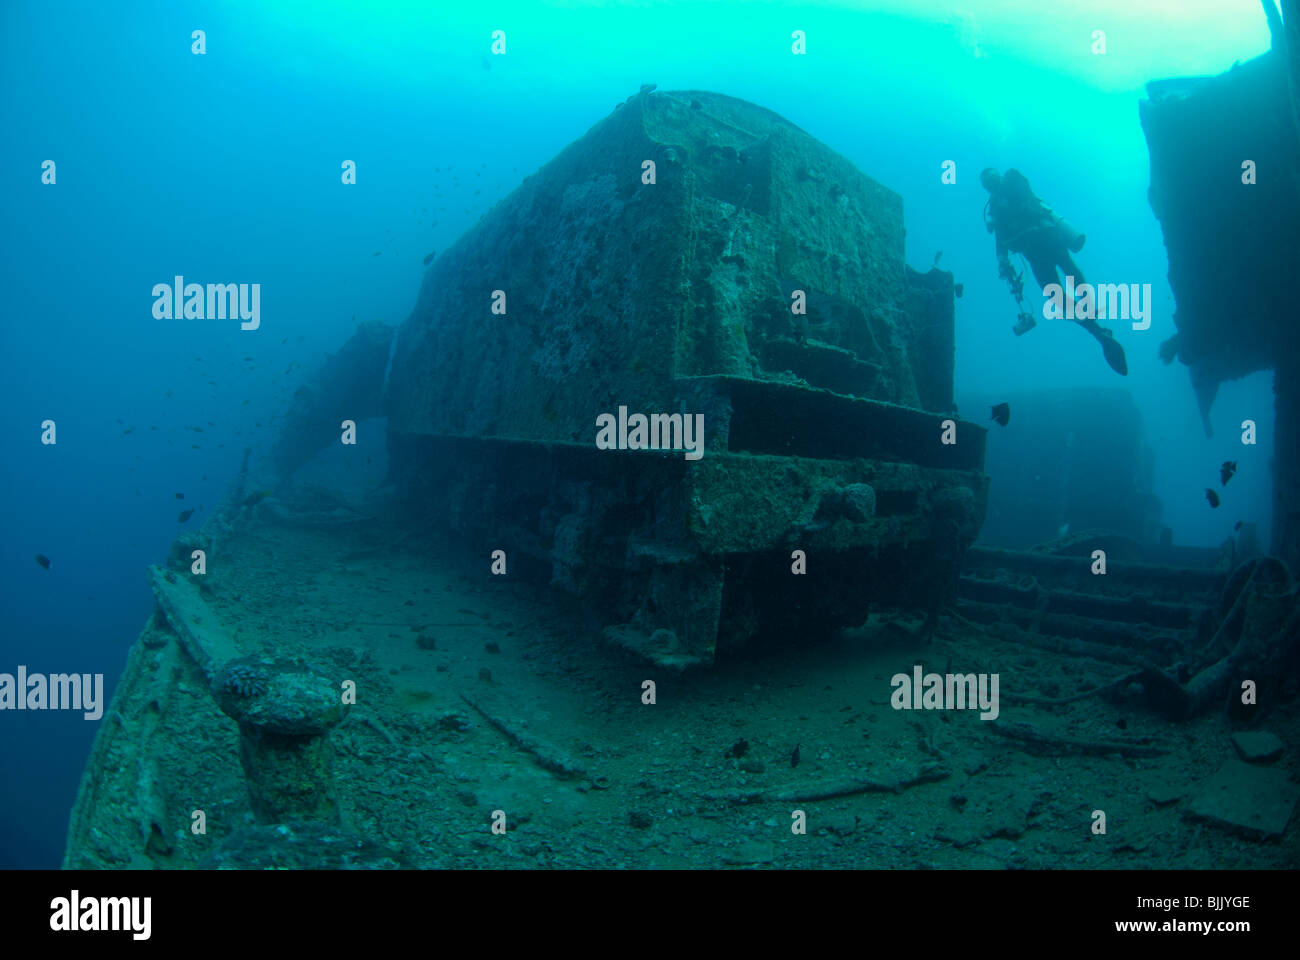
(658, 264)
(1229, 206)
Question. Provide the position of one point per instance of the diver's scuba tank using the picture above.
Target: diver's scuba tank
(1069, 237)
(1074, 240)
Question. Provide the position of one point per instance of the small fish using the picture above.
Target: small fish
(737, 749)
(1063, 530)
(794, 756)
(428, 257)
(254, 498)
(378, 253)
(1212, 497)
(180, 496)
(1226, 471)
(184, 515)
(936, 258)
(1237, 525)
(1002, 414)
(957, 289)
(43, 560)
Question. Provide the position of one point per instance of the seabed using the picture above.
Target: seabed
(482, 700)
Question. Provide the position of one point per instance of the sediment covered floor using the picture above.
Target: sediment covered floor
(512, 702)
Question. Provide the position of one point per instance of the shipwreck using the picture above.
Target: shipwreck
(1229, 206)
(693, 256)
(348, 685)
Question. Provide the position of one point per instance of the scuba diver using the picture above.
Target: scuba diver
(1021, 223)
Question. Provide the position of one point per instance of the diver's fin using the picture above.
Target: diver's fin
(1114, 355)
(1110, 347)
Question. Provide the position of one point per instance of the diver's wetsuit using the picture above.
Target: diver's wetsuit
(1024, 224)
(1021, 223)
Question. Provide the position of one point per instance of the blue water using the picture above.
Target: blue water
(226, 167)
